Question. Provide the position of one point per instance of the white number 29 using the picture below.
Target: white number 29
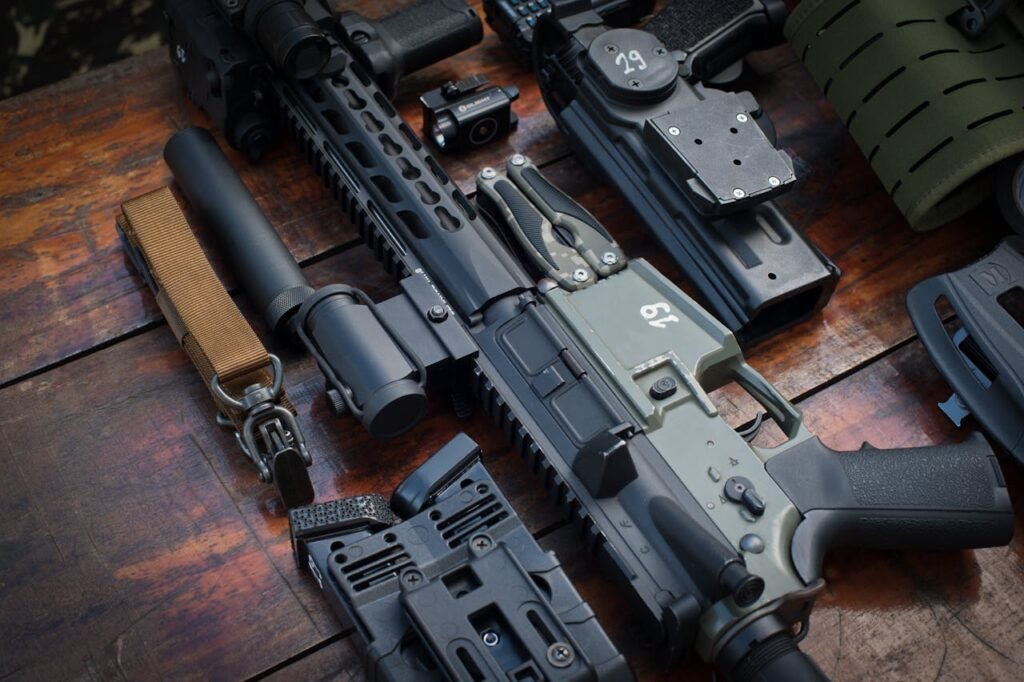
(623, 60)
(651, 311)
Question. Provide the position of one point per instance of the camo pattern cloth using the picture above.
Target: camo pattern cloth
(45, 41)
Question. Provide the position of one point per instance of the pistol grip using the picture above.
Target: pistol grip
(937, 497)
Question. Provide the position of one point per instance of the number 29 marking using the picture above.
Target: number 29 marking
(651, 311)
(624, 60)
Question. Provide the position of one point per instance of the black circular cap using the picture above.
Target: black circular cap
(663, 388)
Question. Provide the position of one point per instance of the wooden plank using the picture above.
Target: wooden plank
(71, 152)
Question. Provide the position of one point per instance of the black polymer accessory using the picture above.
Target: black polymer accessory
(466, 114)
(515, 20)
(445, 582)
(983, 358)
(698, 165)
(603, 390)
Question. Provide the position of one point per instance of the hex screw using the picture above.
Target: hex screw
(490, 638)
(609, 258)
(437, 313)
(488, 173)
(561, 655)
(742, 118)
(518, 159)
(580, 275)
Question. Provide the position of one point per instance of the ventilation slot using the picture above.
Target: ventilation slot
(372, 123)
(985, 120)
(936, 53)
(374, 569)
(409, 171)
(384, 104)
(856, 53)
(912, 22)
(427, 195)
(353, 100)
(387, 188)
(413, 224)
(391, 148)
(837, 16)
(881, 84)
(334, 118)
(359, 151)
(448, 221)
(935, 150)
(962, 84)
(477, 517)
(436, 169)
(410, 136)
(470, 666)
(906, 119)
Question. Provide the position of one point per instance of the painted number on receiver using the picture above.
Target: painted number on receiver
(624, 60)
(652, 311)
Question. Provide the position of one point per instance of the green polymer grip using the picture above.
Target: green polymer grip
(932, 110)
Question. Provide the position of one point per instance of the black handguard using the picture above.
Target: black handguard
(602, 388)
(698, 165)
(454, 587)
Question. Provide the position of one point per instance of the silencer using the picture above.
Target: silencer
(264, 266)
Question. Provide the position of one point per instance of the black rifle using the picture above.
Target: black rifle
(718, 543)
(697, 164)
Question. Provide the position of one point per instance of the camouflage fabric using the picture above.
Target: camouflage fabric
(44, 41)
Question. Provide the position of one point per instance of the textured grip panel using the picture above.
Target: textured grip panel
(941, 477)
(940, 497)
(530, 222)
(432, 30)
(557, 200)
(327, 515)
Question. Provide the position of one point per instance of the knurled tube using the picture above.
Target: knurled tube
(777, 659)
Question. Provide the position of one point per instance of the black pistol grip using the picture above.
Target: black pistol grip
(431, 30)
(937, 497)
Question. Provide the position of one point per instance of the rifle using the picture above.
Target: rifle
(598, 377)
(697, 164)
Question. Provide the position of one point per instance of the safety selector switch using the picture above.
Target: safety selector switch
(741, 491)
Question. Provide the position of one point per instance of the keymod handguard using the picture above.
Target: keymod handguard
(656, 482)
(698, 166)
(459, 589)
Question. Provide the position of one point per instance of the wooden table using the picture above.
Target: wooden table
(135, 540)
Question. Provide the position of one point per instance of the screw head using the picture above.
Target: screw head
(561, 655)
(580, 275)
(774, 181)
(634, 83)
(660, 51)
(609, 258)
(412, 578)
(437, 313)
(673, 131)
(517, 160)
(738, 193)
(481, 542)
(488, 173)
(611, 49)
(490, 638)
(664, 387)
(742, 118)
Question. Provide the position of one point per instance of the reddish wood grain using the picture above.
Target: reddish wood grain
(135, 541)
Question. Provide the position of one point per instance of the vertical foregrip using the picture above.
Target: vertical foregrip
(938, 497)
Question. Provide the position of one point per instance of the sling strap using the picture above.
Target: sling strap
(243, 378)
